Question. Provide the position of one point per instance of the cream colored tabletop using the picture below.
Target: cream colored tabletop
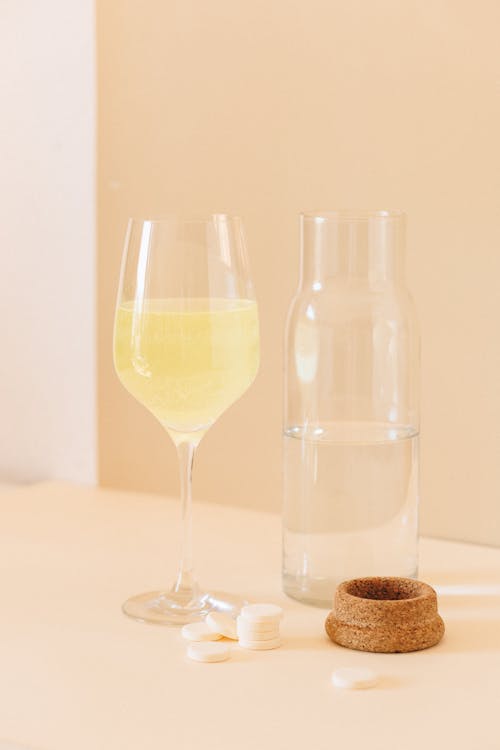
(76, 674)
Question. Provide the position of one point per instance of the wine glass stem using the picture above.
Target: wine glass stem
(186, 584)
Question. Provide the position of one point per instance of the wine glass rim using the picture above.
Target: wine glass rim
(183, 218)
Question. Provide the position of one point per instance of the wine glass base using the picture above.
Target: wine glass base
(162, 608)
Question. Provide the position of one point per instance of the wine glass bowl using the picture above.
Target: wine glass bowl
(186, 346)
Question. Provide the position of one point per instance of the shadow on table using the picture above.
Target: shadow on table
(471, 635)
(461, 594)
(476, 582)
(467, 589)
(307, 643)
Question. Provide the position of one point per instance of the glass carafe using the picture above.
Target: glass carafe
(351, 475)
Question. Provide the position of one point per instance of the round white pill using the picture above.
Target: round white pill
(208, 652)
(257, 627)
(199, 631)
(219, 622)
(260, 645)
(261, 613)
(248, 634)
(354, 678)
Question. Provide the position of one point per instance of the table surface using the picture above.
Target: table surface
(76, 674)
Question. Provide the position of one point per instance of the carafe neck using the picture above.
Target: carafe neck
(365, 246)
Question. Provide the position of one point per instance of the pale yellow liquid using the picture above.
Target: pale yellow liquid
(187, 360)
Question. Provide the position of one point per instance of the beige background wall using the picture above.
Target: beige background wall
(268, 108)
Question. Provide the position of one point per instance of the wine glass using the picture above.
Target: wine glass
(186, 346)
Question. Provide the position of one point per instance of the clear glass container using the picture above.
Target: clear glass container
(351, 426)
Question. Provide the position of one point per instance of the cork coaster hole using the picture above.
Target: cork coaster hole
(385, 589)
